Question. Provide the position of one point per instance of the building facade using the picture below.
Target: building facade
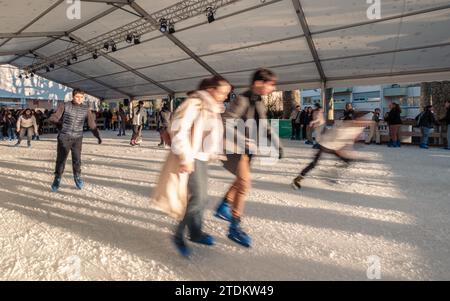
(34, 92)
(368, 98)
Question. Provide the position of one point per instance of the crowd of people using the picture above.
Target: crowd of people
(194, 133)
(308, 124)
(15, 124)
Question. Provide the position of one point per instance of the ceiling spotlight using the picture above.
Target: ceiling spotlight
(95, 55)
(114, 47)
(171, 28)
(163, 25)
(74, 57)
(106, 46)
(210, 13)
(32, 74)
(47, 68)
(68, 62)
(27, 76)
(129, 38)
(137, 40)
(20, 76)
(52, 66)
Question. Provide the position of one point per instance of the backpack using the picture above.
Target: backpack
(418, 119)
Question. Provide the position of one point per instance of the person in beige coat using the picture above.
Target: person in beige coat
(26, 124)
(196, 133)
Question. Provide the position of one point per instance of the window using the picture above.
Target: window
(307, 101)
(409, 102)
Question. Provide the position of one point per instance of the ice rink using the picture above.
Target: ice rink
(393, 205)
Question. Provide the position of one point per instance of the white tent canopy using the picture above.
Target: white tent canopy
(306, 42)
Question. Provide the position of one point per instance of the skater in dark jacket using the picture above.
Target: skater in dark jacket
(70, 118)
(349, 113)
(247, 107)
(395, 122)
(122, 118)
(10, 125)
(426, 121)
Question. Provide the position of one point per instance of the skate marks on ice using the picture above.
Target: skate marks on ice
(323, 232)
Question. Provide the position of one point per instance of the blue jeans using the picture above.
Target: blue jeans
(11, 133)
(122, 126)
(425, 135)
(197, 187)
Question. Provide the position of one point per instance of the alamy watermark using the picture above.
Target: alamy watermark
(73, 11)
(374, 269)
(252, 137)
(374, 10)
(70, 268)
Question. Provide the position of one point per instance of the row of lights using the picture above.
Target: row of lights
(31, 74)
(166, 26)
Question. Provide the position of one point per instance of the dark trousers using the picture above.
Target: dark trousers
(122, 127)
(319, 153)
(197, 189)
(298, 131)
(66, 145)
(293, 128)
(304, 127)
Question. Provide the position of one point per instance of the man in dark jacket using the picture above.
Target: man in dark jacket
(426, 122)
(249, 106)
(394, 121)
(122, 118)
(70, 118)
(10, 125)
(349, 113)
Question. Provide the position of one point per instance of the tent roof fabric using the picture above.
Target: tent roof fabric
(306, 42)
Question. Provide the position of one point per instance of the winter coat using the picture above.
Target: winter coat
(298, 117)
(249, 106)
(164, 118)
(122, 115)
(10, 122)
(70, 117)
(447, 117)
(349, 114)
(139, 116)
(293, 115)
(393, 117)
(376, 117)
(426, 119)
(24, 122)
(318, 119)
(196, 133)
(307, 119)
